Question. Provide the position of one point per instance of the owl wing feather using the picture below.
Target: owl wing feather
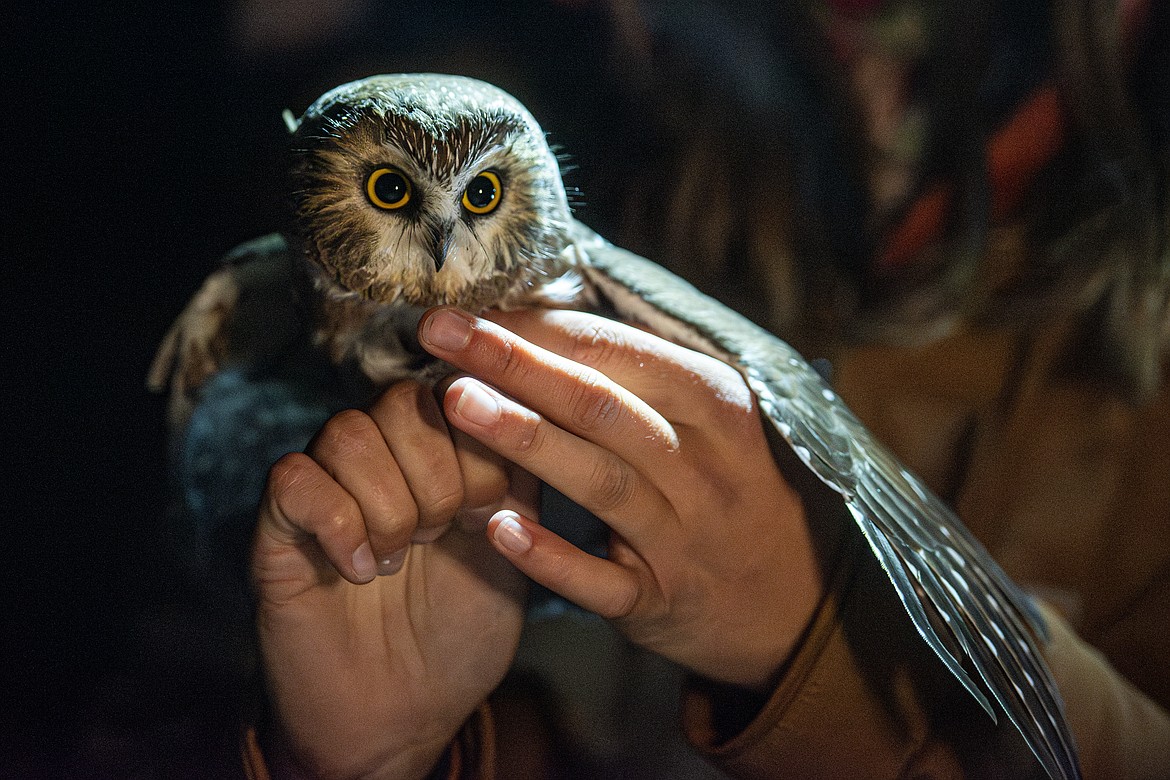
(961, 602)
(244, 311)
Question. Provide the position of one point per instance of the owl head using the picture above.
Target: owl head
(427, 189)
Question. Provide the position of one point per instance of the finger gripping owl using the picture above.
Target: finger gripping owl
(412, 191)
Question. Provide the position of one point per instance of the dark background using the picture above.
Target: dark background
(140, 142)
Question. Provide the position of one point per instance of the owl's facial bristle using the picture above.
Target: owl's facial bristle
(440, 243)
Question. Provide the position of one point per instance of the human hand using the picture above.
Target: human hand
(711, 561)
(369, 675)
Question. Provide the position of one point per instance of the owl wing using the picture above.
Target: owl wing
(244, 310)
(946, 580)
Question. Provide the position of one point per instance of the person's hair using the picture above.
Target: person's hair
(756, 184)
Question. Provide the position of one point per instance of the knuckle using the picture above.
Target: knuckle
(730, 399)
(295, 490)
(399, 399)
(619, 604)
(333, 515)
(593, 406)
(732, 386)
(347, 433)
(526, 432)
(510, 362)
(435, 484)
(595, 342)
(390, 533)
(439, 507)
(288, 472)
(611, 485)
(434, 473)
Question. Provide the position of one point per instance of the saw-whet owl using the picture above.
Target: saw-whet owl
(417, 190)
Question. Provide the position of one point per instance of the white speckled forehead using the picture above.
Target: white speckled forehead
(431, 94)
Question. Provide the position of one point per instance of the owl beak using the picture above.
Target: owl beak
(441, 242)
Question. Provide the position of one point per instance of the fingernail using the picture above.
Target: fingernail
(364, 567)
(446, 330)
(477, 405)
(510, 535)
(392, 563)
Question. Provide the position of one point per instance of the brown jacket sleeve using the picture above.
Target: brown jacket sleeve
(1121, 732)
(864, 697)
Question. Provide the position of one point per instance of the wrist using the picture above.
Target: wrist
(268, 753)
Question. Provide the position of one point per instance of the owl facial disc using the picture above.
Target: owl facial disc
(428, 189)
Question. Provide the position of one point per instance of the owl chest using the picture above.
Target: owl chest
(379, 341)
(375, 340)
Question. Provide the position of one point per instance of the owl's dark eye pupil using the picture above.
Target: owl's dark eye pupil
(481, 192)
(390, 188)
(387, 188)
(482, 195)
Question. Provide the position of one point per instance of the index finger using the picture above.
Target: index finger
(659, 371)
(577, 398)
(620, 350)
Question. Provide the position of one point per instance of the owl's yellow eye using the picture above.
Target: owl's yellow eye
(388, 188)
(483, 194)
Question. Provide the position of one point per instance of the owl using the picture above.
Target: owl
(417, 190)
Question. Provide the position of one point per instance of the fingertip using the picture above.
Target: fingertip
(453, 395)
(508, 534)
(476, 404)
(392, 563)
(593, 583)
(365, 568)
(445, 329)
